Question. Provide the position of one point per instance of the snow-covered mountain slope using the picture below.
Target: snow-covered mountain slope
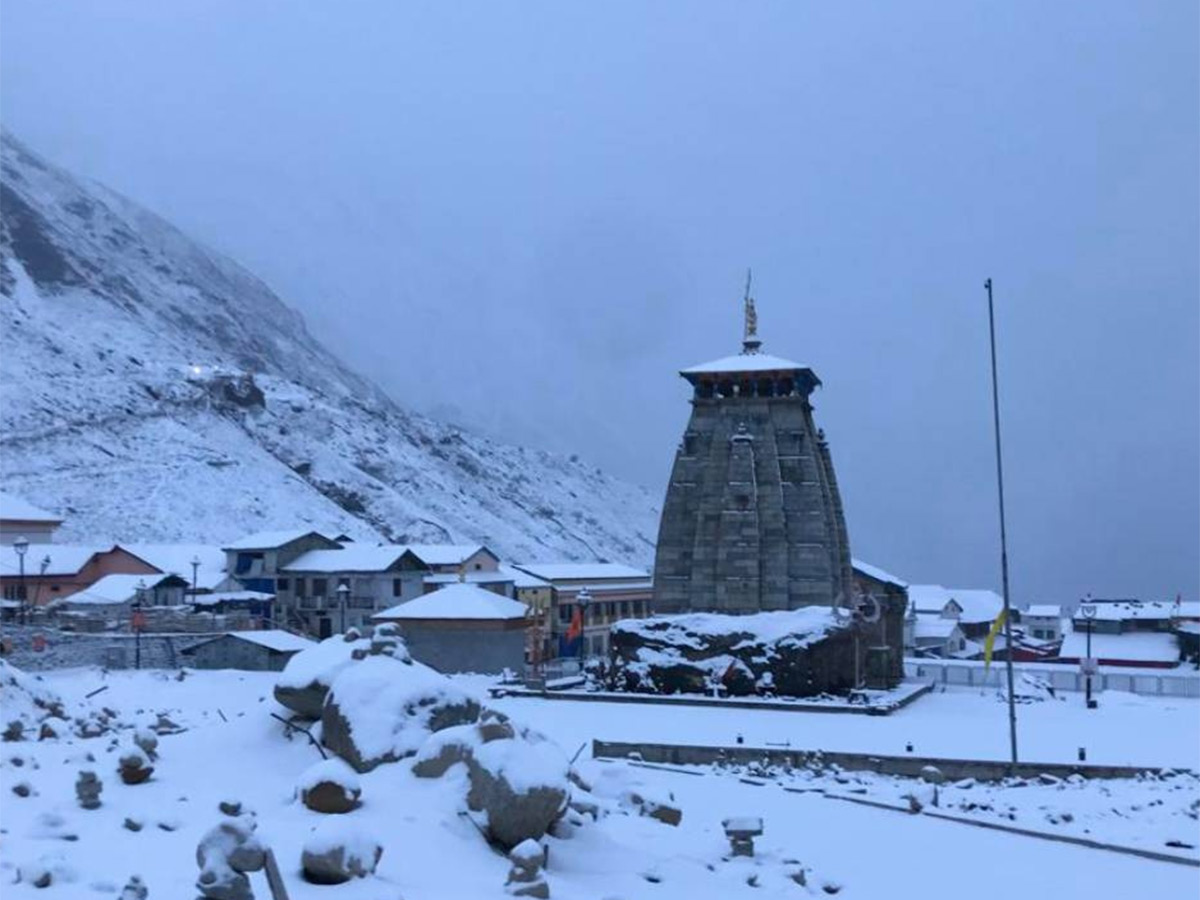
(153, 390)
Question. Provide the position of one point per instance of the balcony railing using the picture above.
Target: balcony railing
(334, 603)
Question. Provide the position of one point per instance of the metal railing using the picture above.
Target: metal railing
(1181, 682)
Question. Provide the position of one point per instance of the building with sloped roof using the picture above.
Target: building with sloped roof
(462, 627)
(21, 519)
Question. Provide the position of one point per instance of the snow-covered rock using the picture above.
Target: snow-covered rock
(380, 709)
(330, 786)
(122, 339)
(225, 854)
(304, 682)
(337, 851)
(517, 776)
(25, 704)
(789, 652)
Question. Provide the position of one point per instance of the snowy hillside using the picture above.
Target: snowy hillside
(153, 390)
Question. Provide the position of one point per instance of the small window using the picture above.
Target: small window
(564, 613)
(397, 587)
(319, 587)
(478, 566)
(283, 584)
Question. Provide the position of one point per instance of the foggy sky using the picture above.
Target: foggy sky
(528, 217)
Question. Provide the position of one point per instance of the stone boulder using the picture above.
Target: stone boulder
(381, 709)
(330, 786)
(337, 852)
(516, 776)
(134, 766)
(797, 653)
(225, 854)
(304, 682)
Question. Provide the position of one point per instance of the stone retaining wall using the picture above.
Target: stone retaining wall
(908, 766)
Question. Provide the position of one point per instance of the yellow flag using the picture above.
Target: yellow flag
(991, 640)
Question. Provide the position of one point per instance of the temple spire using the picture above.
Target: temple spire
(750, 341)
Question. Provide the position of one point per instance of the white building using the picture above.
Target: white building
(20, 519)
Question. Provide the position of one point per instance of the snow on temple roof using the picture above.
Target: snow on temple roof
(457, 601)
(351, 558)
(877, 573)
(745, 362)
(582, 571)
(13, 508)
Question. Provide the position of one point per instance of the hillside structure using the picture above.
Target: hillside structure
(752, 520)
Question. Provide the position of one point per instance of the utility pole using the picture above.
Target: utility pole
(1008, 644)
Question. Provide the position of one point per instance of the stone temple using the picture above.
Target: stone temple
(752, 519)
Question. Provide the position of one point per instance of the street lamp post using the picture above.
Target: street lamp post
(195, 570)
(21, 546)
(584, 599)
(137, 623)
(343, 590)
(1089, 615)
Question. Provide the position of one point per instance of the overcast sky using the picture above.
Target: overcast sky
(529, 217)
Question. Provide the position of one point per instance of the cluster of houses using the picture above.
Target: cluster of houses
(954, 624)
(461, 607)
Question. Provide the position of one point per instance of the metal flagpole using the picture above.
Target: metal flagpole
(1008, 666)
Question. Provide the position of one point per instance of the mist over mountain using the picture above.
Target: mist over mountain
(155, 390)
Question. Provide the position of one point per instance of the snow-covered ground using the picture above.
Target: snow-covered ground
(1126, 730)
(233, 749)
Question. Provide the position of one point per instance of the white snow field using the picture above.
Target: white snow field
(233, 750)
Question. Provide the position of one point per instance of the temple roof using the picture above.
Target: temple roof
(745, 362)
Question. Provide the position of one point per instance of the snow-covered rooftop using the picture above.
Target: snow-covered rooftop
(268, 540)
(274, 639)
(1140, 646)
(977, 605)
(521, 578)
(934, 627)
(177, 560)
(456, 601)
(745, 362)
(877, 573)
(351, 558)
(1042, 611)
(445, 554)
(65, 559)
(112, 589)
(1133, 609)
(582, 571)
(17, 509)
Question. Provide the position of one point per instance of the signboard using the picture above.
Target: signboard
(1089, 665)
(138, 620)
